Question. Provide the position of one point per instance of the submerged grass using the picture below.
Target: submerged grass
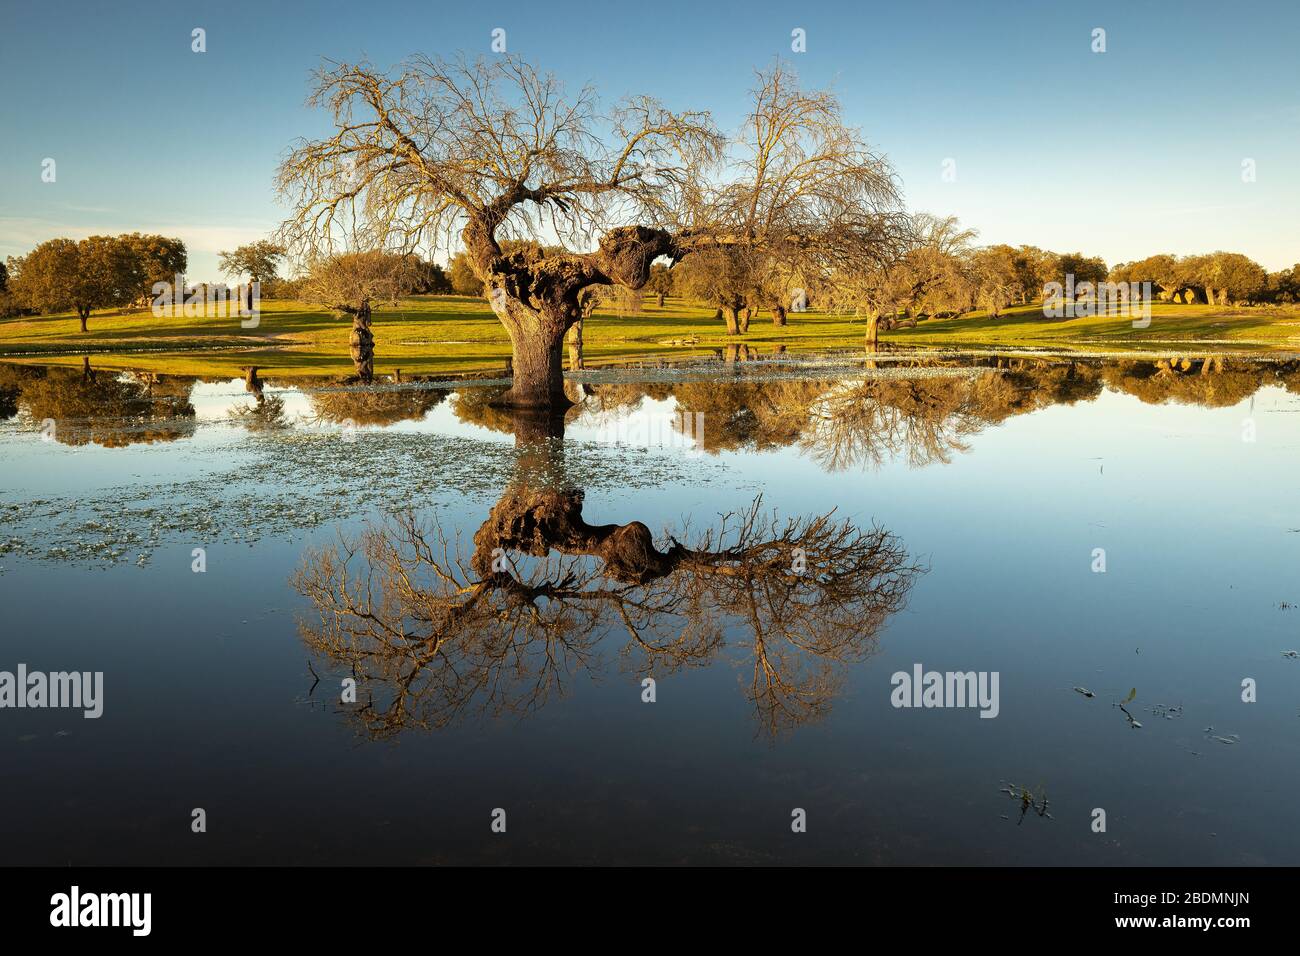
(246, 487)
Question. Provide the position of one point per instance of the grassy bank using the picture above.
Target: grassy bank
(448, 334)
(422, 335)
(1171, 327)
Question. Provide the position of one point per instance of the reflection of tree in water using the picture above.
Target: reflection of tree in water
(1213, 382)
(862, 425)
(752, 415)
(108, 408)
(11, 388)
(926, 418)
(266, 414)
(842, 424)
(375, 406)
(1288, 377)
(481, 405)
(1020, 386)
(438, 629)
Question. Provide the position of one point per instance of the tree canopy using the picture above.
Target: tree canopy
(259, 260)
(61, 275)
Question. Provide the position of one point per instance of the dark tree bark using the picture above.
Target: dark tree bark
(252, 383)
(778, 315)
(575, 346)
(538, 365)
(363, 343)
(538, 298)
(83, 313)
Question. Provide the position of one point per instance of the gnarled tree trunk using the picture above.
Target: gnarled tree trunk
(362, 343)
(778, 315)
(538, 370)
(538, 297)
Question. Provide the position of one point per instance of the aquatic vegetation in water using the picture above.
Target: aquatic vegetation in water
(1221, 738)
(1132, 722)
(287, 481)
(1132, 693)
(1028, 800)
(1166, 711)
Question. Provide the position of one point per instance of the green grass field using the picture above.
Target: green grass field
(449, 334)
(1171, 328)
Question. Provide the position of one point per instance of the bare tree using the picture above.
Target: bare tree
(810, 198)
(493, 150)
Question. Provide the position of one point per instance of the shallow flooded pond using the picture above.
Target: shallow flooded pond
(691, 622)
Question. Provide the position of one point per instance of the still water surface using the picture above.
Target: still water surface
(548, 568)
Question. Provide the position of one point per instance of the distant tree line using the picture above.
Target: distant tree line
(932, 269)
(99, 272)
(1219, 278)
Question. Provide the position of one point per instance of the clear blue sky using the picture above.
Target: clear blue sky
(1122, 154)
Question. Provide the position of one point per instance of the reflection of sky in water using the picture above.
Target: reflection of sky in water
(205, 674)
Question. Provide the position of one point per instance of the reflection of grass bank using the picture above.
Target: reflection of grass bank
(448, 334)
